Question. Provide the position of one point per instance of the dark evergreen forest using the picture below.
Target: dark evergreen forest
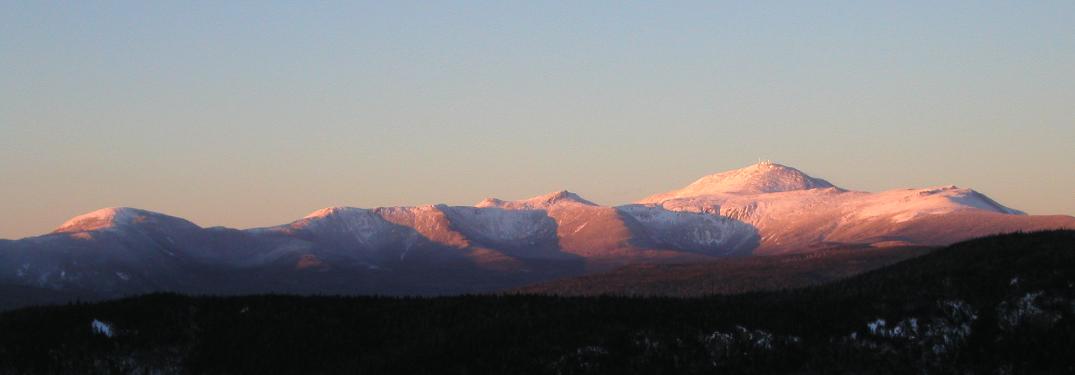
(995, 305)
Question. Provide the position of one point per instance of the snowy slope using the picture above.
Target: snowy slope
(112, 251)
(795, 212)
(764, 177)
(587, 229)
(690, 231)
(122, 218)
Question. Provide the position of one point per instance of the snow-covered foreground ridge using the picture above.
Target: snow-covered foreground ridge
(760, 209)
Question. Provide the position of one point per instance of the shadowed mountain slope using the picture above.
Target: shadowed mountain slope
(729, 276)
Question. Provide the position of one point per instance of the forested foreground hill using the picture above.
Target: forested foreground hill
(1003, 304)
(729, 276)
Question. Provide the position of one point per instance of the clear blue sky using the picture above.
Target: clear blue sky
(255, 113)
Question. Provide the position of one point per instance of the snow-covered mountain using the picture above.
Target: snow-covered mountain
(796, 212)
(432, 249)
(763, 177)
(765, 208)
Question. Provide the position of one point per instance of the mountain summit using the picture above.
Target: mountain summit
(118, 217)
(538, 202)
(763, 177)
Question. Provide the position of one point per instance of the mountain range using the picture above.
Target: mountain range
(762, 209)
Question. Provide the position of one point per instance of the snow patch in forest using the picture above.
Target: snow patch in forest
(102, 328)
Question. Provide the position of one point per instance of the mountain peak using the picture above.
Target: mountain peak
(538, 202)
(559, 196)
(108, 218)
(329, 211)
(762, 177)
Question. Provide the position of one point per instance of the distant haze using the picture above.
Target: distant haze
(256, 114)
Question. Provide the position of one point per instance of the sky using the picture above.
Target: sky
(248, 114)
